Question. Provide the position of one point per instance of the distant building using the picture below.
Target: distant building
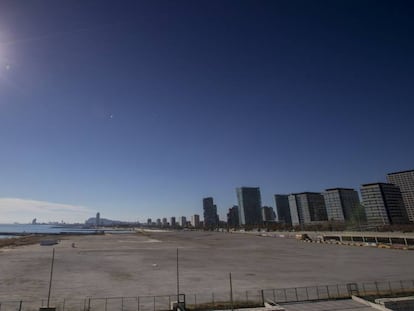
(250, 205)
(282, 208)
(195, 221)
(268, 214)
(164, 222)
(340, 203)
(405, 181)
(307, 207)
(233, 217)
(211, 219)
(98, 219)
(182, 221)
(158, 222)
(383, 204)
(149, 221)
(172, 222)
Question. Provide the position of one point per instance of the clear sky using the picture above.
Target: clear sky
(140, 109)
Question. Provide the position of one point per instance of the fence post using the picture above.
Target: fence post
(263, 300)
(212, 296)
(389, 285)
(274, 296)
(327, 289)
(122, 303)
(63, 306)
(284, 293)
(138, 303)
(307, 294)
(363, 289)
(154, 303)
(376, 287)
(195, 301)
(106, 304)
(247, 297)
(89, 304)
(317, 292)
(20, 305)
(296, 293)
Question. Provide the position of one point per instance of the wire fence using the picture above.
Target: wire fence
(221, 300)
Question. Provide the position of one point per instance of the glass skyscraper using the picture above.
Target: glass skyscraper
(250, 205)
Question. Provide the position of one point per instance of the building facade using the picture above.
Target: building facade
(172, 222)
(405, 181)
(98, 219)
(340, 203)
(195, 221)
(233, 217)
(307, 207)
(383, 204)
(182, 221)
(250, 205)
(294, 212)
(282, 208)
(211, 219)
(268, 214)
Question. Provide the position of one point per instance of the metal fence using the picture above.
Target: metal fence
(221, 300)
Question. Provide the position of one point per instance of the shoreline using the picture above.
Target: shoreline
(25, 240)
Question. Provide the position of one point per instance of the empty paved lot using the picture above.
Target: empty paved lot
(137, 264)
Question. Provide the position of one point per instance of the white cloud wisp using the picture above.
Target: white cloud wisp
(23, 211)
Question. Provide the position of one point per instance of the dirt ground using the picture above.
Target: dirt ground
(145, 264)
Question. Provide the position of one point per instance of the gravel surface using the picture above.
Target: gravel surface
(145, 264)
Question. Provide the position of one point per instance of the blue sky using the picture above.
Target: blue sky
(140, 109)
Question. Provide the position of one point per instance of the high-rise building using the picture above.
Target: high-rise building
(158, 222)
(340, 203)
(182, 221)
(233, 217)
(383, 204)
(405, 181)
(172, 222)
(282, 208)
(293, 207)
(250, 205)
(307, 207)
(98, 219)
(210, 213)
(268, 214)
(164, 222)
(195, 221)
(149, 221)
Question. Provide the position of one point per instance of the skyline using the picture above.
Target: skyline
(140, 110)
(71, 213)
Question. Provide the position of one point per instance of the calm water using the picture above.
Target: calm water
(16, 229)
(38, 229)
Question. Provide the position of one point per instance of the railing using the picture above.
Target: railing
(208, 301)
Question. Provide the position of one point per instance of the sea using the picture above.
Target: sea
(13, 230)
